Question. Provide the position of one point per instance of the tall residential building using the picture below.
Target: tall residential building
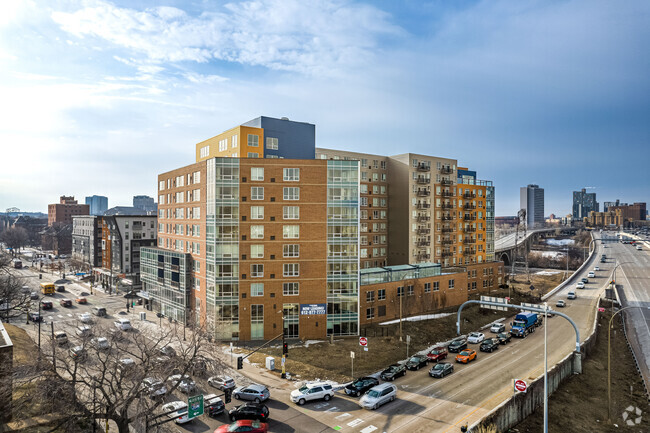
(583, 203)
(145, 203)
(531, 198)
(98, 204)
(87, 240)
(63, 211)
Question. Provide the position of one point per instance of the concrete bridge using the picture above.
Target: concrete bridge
(504, 248)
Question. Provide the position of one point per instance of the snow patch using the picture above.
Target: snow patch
(548, 272)
(560, 242)
(418, 318)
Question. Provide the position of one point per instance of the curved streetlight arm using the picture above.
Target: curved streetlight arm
(520, 307)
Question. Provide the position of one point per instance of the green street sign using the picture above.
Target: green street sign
(194, 406)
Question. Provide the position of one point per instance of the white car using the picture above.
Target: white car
(571, 295)
(85, 318)
(180, 416)
(591, 274)
(596, 268)
(101, 343)
(639, 247)
(312, 391)
(475, 337)
(123, 324)
(498, 328)
(580, 285)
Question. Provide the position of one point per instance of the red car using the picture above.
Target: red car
(244, 425)
(437, 354)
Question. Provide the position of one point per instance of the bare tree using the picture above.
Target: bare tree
(14, 237)
(14, 302)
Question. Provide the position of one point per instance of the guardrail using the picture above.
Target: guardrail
(570, 280)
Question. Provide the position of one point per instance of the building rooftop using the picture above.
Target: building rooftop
(389, 274)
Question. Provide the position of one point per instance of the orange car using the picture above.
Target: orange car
(81, 300)
(466, 356)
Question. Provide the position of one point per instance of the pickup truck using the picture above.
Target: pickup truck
(524, 324)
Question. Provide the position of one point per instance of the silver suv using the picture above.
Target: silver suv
(312, 391)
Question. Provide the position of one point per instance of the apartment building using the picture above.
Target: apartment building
(62, 212)
(248, 247)
(87, 240)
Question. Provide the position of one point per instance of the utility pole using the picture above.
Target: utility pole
(53, 346)
(400, 312)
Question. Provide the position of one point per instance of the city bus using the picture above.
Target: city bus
(47, 288)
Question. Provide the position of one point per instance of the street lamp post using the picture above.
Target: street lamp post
(545, 368)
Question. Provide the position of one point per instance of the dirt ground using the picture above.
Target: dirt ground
(542, 283)
(580, 404)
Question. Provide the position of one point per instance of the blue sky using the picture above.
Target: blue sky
(98, 97)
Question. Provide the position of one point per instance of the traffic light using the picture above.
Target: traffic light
(240, 363)
(226, 395)
(285, 349)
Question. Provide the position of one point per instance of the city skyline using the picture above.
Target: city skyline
(99, 97)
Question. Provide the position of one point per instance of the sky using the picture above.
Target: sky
(99, 97)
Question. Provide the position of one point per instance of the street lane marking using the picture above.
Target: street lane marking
(355, 422)
(60, 316)
(369, 429)
(332, 409)
(343, 416)
(322, 405)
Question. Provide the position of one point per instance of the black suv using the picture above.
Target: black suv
(489, 345)
(255, 411)
(393, 371)
(360, 386)
(457, 345)
(441, 369)
(417, 361)
(504, 337)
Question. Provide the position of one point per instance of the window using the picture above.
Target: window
(233, 141)
(410, 291)
(257, 173)
(290, 232)
(257, 251)
(370, 296)
(271, 143)
(257, 289)
(205, 151)
(257, 212)
(290, 269)
(257, 271)
(291, 289)
(427, 287)
(223, 145)
(400, 291)
(257, 232)
(196, 213)
(451, 284)
(436, 286)
(291, 193)
(291, 250)
(253, 140)
(257, 193)
(290, 212)
(370, 313)
(291, 174)
(381, 294)
(253, 155)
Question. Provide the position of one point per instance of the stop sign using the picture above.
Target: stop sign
(520, 385)
(363, 341)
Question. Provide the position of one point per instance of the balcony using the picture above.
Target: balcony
(447, 194)
(446, 182)
(447, 254)
(423, 192)
(176, 268)
(469, 195)
(469, 206)
(468, 252)
(423, 218)
(423, 231)
(447, 230)
(447, 206)
(447, 218)
(422, 243)
(446, 169)
(423, 256)
(421, 205)
(469, 241)
(424, 167)
(470, 229)
(423, 180)
(447, 242)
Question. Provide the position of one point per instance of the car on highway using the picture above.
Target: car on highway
(393, 371)
(185, 383)
(489, 345)
(571, 295)
(255, 392)
(504, 337)
(81, 300)
(378, 395)
(475, 337)
(417, 361)
(497, 328)
(457, 345)
(580, 285)
(176, 410)
(585, 280)
(252, 411)
(312, 391)
(213, 405)
(639, 248)
(123, 324)
(466, 356)
(65, 303)
(591, 274)
(222, 382)
(244, 425)
(360, 386)
(99, 311)
(596, 268)
(60, 288)
(153, 387)
(560, 303)
(85, 318)
(46, 305)
(437, 354)
(441, 369)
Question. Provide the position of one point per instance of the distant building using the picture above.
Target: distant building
(145, 203)
(608, 204)
(87, 240)
(506, 221)
(632, 212)
(531, 198)
(583, 203)
(98, 204)
(57, 238)
(63, 211)
(126, 210)
(604, 219)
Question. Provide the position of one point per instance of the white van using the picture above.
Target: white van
(123, 324)
(378, 395)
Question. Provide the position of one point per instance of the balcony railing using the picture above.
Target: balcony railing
(423, 256)
(447, 218)
(447, 242)
(469, 195)
(422, 243)
(447, 206)
(447, 254)
(423, 231)
(469, 252)
(447, 230)
(469, 206)
(423, 205)
(469, 241)
(423, 180)
(423, 192)
(446, 182)
(424, 167)
(445, 169)
(447, 194)
(176, 268)
(470, 229)
(423, 218)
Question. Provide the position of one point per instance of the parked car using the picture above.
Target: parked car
(475, 337)
(466, 356)
(61, 338)
(46, 305)
(125, 364)
(180, 414)
(254, 392)
(153, 387)
(213, 405)
(312, 391)
(123, 324)
(457, 345)
(185, 383)
(441, 369)
(99, 311)
(497, 328)
(85, 318)
(84, 331)
(504, 337)
(417, 361)
(78, 353)
(34, 316)
(571, 295)
(65, 303)
(591, 274)
(378, 395)
(393, 371)
(560, 303)
(360, 386)
(252, 411)
(489, 345)
(580, 285)
(81, 300)
(437, 354)
(222, 382)
(101, 343)
(244, 425)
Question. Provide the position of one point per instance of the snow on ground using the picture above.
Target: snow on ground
(548, 272)
(418, 318)
(310, 342)
(560, 242)
(552, 254)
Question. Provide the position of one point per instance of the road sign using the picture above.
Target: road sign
(520, 385)
(194, 406)
(351, 354)
(601, 309)
(363, 341)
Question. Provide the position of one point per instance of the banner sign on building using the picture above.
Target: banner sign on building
(312, 309)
